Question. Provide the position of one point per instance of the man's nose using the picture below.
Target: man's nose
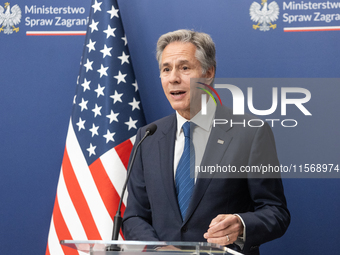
(175, 76)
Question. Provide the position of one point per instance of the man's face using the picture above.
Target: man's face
(178, 65)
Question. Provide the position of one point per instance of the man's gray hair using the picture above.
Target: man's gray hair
(205, 47)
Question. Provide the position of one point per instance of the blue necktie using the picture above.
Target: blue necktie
(185, 184)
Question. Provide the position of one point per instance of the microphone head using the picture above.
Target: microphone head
(151, 129)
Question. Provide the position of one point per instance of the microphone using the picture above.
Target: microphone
(150, 130)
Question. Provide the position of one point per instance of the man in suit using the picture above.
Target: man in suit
(241, 212)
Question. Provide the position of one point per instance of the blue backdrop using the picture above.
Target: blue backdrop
(39, 75)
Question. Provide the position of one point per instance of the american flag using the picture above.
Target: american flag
(106, 115)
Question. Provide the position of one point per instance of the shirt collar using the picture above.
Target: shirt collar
(202, 121)
(180, 121)
(205, 121)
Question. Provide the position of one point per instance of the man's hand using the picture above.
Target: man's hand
(224, 229)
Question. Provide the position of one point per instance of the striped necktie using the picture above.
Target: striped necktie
(185, 184)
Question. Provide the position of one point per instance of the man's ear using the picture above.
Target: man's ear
(209, 75)
(211, 72)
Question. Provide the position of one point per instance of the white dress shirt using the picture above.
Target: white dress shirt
(200, 136)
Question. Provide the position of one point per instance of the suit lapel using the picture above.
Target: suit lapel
(166, 148)
(213, 155)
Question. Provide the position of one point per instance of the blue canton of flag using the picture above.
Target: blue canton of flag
(107, 108)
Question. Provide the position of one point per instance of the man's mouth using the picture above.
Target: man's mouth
(177, 93)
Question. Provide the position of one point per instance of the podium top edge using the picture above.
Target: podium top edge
(199, 245)
(176, 243)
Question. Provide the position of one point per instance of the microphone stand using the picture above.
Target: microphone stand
(118, 217)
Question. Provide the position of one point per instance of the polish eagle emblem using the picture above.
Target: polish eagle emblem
(264, 16)
(9, 18)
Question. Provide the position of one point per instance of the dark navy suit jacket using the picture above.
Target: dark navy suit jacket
(152, 211)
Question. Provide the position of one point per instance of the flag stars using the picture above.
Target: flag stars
(94, 130)
(86, 85)
(109, 136)
(90, 45)
(81, 124)
(88, 65)
(112, 116)
(103, 123)
(124, 58)
(113, 12)
(125, 40)
(131, 123)
(96, 6)
(120, 77)
(99, 91)
(93, 26)
(102, 70)
(135, 84)
(110, 31)
(117, 97)
(96, 110)
(91, 150)
(134, 104)
(106, 51)
(83, 104)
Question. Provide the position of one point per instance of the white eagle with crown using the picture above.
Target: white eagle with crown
(265, 16)
(10, 18)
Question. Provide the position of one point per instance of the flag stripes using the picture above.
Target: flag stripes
(105, 187)
(87, 184)
(62, 231)
(122, 151)
(73, 216)
(78, 200)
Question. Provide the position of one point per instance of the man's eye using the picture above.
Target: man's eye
(166, 70)
(185, 68)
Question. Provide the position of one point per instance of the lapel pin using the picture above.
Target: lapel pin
(220, 141)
